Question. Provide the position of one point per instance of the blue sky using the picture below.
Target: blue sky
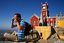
(26, 8)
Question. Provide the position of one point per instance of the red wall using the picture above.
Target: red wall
(53, 21)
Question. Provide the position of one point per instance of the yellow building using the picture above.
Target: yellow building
(60, 22)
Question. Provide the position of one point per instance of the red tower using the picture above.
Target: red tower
(34, 20)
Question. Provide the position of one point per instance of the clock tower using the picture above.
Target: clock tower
(44, 13)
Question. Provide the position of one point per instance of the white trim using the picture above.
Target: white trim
(51, 17)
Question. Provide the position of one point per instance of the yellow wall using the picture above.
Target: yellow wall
(45, 30)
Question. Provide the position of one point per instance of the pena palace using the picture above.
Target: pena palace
(44, 19)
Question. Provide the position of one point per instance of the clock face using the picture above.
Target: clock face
(44, 7)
